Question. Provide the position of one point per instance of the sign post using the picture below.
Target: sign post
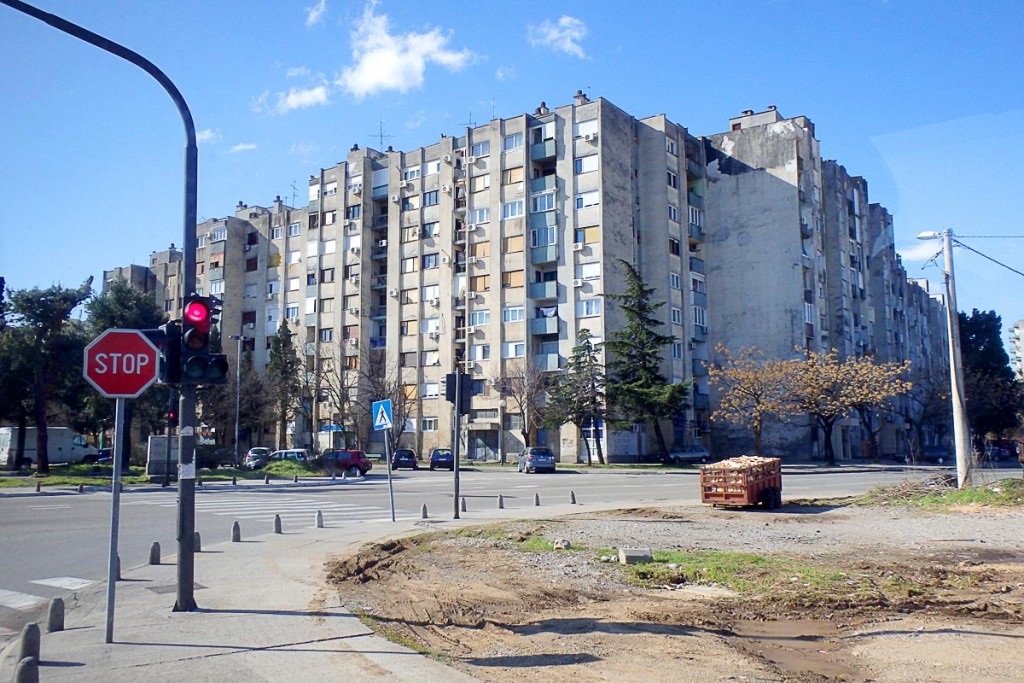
(380, 413)
(120, 364)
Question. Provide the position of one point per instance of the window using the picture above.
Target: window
(480, 149)
(273, 287)
(480, 249)
(327, 305)
(431, 198)
(310, 279)
(431, 230)
(353, 212)
(326, 335)
(330, 217)
(218, 234)
(294, 229)
(589, 235)
(217, 287)
(809, 313)
(350, 332)
(588, 308)
(588, 271)
(670, 147)
(201, 240)
(585, 164)
(540, 237)
(351, 301)
(353, 182)
(513, 349)
(697, 283)
(430, 261)
(327, 275)
(251, 264)
(408, 328)
(512, 209)
(513, 278)
(674, 281)
(677, 316)
(428, 390)
(408, 296)
(700, 316)
(480, 283)
(479, 351)
(291, 312)
(541, 133)
(511, 142)
(431, 292)
(513, 314)
(352, 271)
(677, 351)
(510, 245)
(411, 203)
(428, 358)
(585, 199)
(313, 220)
(584, 128)
(293, 284)
(410, 234)
(480, 215)
(673, 246)
(512, 176)
(479, 183)
(250, 292)
(411, 173)
(429, 424)
(696, 216)
(431, 168)
(480, 317)
(542, 202)
(294, 256)
(275, 233)
(673, 213)
(673, 179)
(431, 325)
(409, 264)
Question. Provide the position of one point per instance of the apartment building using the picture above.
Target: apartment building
(489, 250)
(1017, 348)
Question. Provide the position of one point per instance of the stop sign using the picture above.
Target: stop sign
(121, 363)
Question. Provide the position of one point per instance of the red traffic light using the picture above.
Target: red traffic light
(196, 311)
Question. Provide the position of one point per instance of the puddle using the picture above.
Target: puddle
(795, 646)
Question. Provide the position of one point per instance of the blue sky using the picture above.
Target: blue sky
(923, 99)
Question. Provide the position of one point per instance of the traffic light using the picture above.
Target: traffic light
(198, 364)
(465, 391)
(167, 340)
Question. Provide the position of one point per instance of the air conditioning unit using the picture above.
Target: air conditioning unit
(446, 259)
(270, 296)
(392, 292)
(247, 247)
(395, 198)
(407, 185)
(470, 160)
(470, 227)
(470, 295)
(447, 158)
(491, 382)
(353, 250)
(577, 246)
(357, 188)
(382, 243)
(353, 278)
(352, 341)
(435, 302)
(353, 311)
(590, 137)
(472, 259)
(471, 329)
(446, 188)
(434, 335)
(577, 283)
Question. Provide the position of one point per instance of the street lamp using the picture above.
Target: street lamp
(961, 429)
(238, 386)
(501, 430)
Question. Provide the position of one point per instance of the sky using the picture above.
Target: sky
(922, 98)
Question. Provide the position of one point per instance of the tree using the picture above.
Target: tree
(45, 314)
(828, 388)
(994, 396)
(525, 387)
(283, 380)
(383, 381)
(637, 391)
(927, 406)
(124, 306)
(16, 378)
(752, 388)
(577, 395)
(339, 382)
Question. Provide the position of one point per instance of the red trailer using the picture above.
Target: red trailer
(742, 481)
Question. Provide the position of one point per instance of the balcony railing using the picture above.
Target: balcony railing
(544, 325)
(378, 342)
(547, 362)
(546, 254)
(694, 199)
(543, 150)
(697, 265)
(543, 290)
(546, 182)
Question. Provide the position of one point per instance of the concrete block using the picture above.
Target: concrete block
(55, 616)
(27, 671)
(635, 555)
(154, 553)
(28, 644)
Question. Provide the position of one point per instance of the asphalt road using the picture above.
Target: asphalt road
(52, 544)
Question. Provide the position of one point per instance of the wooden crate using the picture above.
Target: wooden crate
(742, 481)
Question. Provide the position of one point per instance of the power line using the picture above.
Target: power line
(998, 263)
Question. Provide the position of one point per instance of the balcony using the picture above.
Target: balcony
(543, 150)
(546, 254)
(379, 192)
(380, 222)
(696, 232)
(547, 362)
(379, 312)
(379, 252)
(694, 168)
(544, 325)
(543, 183)
(215, 274)
(699, 299)
(543, 219)
(699, 367)
(694, 199)
(314, 206)
(378, 342)
(700, 333)
(379, 282)
(697, 265)
(543, 290)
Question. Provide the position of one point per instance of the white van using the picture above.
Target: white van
(64, 446)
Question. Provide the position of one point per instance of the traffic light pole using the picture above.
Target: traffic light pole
(457, 437)
(186, 501)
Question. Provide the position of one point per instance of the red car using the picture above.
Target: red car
(343, 460)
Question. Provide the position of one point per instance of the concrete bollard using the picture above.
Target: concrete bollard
(236, 533)
(344, 474)
(536, 499)
(423, 512)
(266, 478)
(334, 475)
(197, 542)
(501, 502)
(296, 479)
(199, 482)
(81, 488)
(319, 519)
(27, 671)
(39, 487)
(572, 497)
(462, 504)
(154, 553)
(277, 524)
(234, 481)
(55, 616)
(28, 644)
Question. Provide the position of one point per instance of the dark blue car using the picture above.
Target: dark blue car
(442, 457)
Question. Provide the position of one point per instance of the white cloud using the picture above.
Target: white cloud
(565, 36)
(315, 13)
(297, 71)
(301, 98)
(305, 150)
(505, 73)
(394, 62)
(418, 120)
(242, 147)
(207, 136)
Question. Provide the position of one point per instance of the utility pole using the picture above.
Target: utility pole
(238, 388)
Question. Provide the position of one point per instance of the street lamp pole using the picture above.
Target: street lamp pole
(961, 428)
(238, 387)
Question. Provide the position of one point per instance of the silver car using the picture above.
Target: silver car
(537, 459)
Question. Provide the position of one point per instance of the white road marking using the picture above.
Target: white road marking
(20, 601)
(48, 507)
(67, 582)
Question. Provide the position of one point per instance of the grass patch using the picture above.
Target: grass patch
(940, 493)
(387, 631)
(74, 475)
(287, 468)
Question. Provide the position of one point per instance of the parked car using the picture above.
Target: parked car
(404, 457)
(442, 457)
(256, 458)
(344, 460)
(938, 454)
(537, 459)
(103, 456)
(689, 454)
(299, 455)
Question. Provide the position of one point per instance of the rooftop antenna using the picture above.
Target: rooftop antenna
(295, 192)
(380, 134)
(471, 123)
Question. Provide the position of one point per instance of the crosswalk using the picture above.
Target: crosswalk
(20, 601)
(294, 509)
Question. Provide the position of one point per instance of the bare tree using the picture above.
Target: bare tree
(338, 384)
(381, 379)
(525, 386)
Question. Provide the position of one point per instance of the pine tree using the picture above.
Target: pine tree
(283, 379)
(577, 395)
(637, 390)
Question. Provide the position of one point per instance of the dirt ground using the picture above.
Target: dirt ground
(941, 599)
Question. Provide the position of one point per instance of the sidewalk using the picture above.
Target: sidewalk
(265, 614)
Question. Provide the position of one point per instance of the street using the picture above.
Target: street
(54, 544)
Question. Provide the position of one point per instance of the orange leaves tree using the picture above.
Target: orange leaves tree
(829, 388)
(752, 388)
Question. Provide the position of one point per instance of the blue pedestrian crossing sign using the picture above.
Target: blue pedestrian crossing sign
(380, 411)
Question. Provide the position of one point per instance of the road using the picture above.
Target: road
(54, 544)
